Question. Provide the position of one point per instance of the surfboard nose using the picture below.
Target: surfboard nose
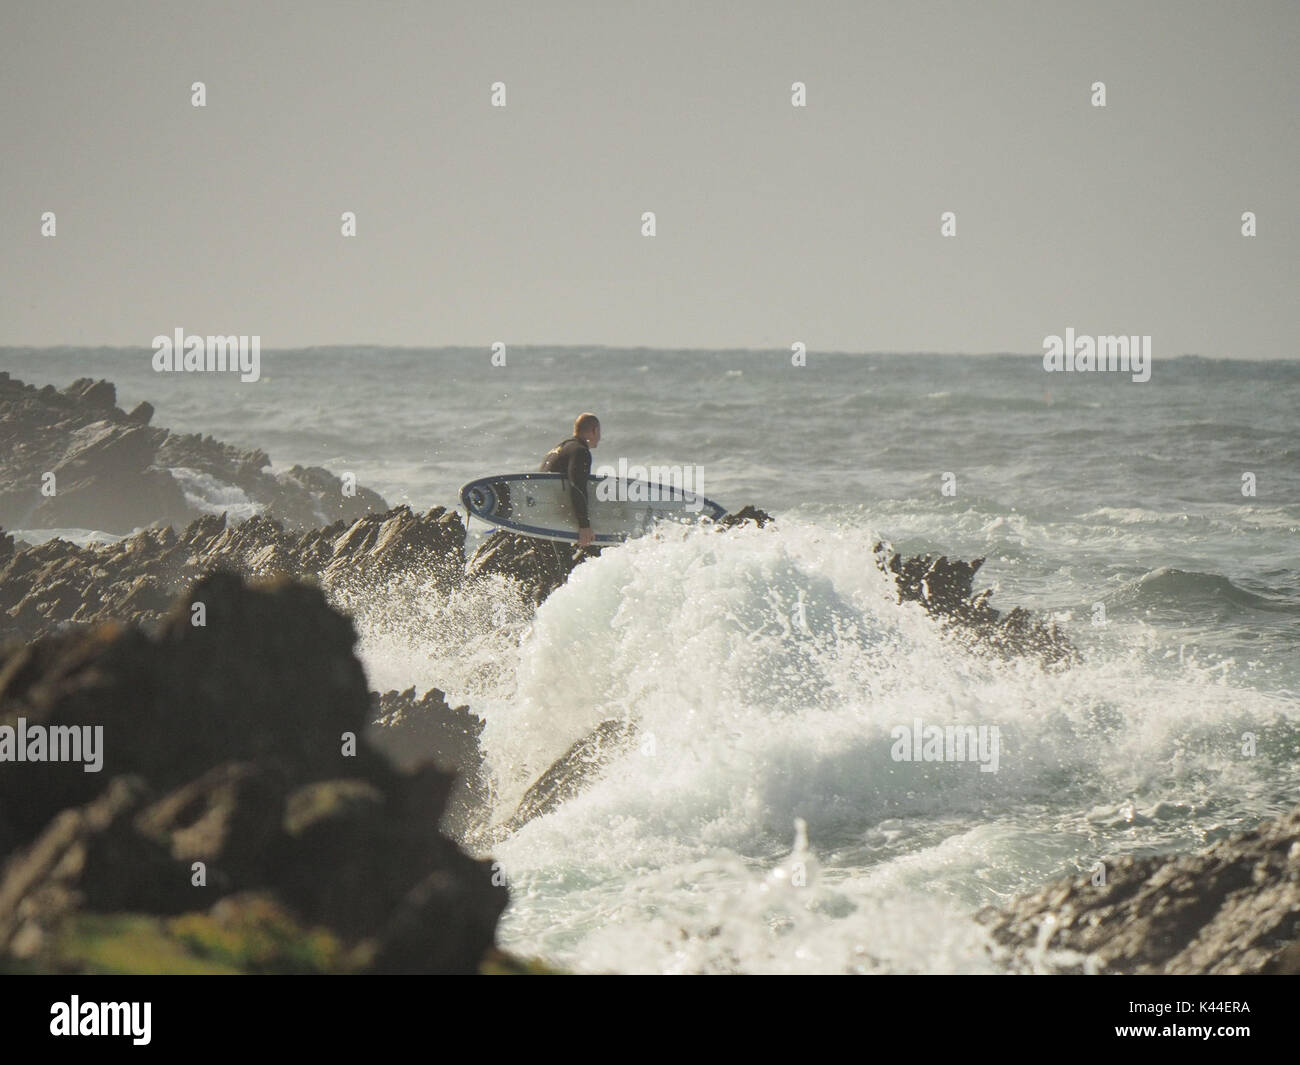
(479, 498)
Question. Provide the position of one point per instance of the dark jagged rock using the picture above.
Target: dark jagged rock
(345, 825)
(572, 772)
(236, 688)
(1234, 908)
(538, 566)
(229, 818)
(87, 857)
(49, 587)
(945, 588)
(429, 931)
(541, 566)
(411, 731)
(111, 469)
(397, 541)
(746, 514)
(95, 395)
(105, 480)
(239, 743)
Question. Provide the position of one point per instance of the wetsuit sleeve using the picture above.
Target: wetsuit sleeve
(579, 471)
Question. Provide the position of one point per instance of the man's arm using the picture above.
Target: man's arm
(579, 471)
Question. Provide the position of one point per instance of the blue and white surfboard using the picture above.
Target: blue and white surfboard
(537, 504)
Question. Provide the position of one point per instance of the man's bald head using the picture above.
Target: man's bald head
(586, 427)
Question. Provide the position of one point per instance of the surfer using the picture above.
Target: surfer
(572, 458)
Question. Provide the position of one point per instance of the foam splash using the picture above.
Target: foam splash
(766, 670)
(209, 495)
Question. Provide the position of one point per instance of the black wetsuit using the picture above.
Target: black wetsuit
(573, 459)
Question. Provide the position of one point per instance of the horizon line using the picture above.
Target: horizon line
(617, 348)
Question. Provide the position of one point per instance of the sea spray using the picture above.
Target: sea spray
(758, 722)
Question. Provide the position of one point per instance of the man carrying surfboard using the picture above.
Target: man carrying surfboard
(572, 458)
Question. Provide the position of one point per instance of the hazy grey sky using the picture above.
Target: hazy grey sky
(775, 224)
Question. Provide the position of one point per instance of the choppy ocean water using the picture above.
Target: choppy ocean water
(767, 827)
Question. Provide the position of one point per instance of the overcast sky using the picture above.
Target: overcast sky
(775, 224)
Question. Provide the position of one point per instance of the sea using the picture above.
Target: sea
(768, 818)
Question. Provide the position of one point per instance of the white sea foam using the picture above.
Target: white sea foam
(80, 537)
(672, 859)
(209, 495)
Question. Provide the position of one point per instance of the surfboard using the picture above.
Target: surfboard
(537, 504)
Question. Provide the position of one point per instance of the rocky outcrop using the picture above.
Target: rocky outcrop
(74, 459)
(541, 566)
(238, 743)
(748, 514)
(412, 731)
(571, 773)
(538, 566)
(1234, 908)
(945, 588)
(56, 585)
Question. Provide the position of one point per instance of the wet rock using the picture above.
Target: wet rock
(399, 542)
(105, 480)
(945, 588)
(748, 514)
(136, 579)
(412, 732)
(359, 863)
(538, 566)
(269, 675)
(240, 743)
(112, 470)
(1232, 909)
(92, 394)
(437, 927)
(541, 566)
(572, 772)
(332, 868)
(88, 857)
(228, 818)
